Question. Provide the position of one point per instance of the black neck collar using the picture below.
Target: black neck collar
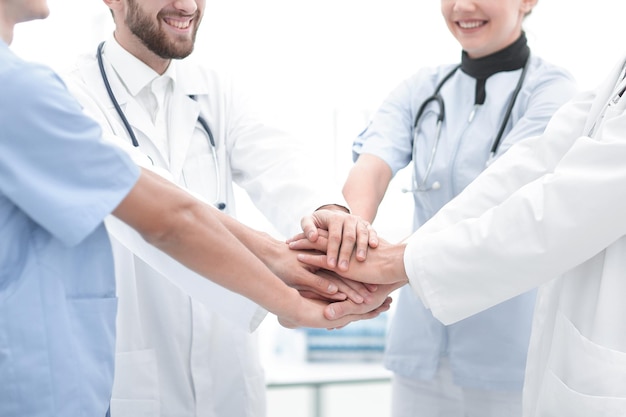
(511, 58)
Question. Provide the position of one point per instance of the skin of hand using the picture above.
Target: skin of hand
(384, 264)
(347, 234)
(376, 300)
(366, 185)
(314, 312)
(191, 232)
(283, 262)
(277, 256)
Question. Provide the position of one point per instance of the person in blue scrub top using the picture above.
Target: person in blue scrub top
(474, 367)
(58, 181)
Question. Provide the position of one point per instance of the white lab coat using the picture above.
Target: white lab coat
(550, 212)
(175, 356)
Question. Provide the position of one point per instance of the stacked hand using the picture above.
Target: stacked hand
(336, 262)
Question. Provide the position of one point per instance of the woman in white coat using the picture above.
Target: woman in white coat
(549, 213)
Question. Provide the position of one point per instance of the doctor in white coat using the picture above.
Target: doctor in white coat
(176, 357)
(549, 213)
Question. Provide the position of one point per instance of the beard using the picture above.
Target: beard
(153, 38)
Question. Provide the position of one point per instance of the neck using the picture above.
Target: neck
(511, 58)
(139, 51)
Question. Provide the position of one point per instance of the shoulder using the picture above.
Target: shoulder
(27, 84)
(541, 71)
(431, 76)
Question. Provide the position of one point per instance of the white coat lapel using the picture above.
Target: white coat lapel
(183, 119)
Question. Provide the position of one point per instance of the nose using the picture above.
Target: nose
(464, 5)
(186, 6)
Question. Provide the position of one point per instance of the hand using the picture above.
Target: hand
(384, 264)
(311, 313)
(345, 233)
(379, 298)
(311, 281)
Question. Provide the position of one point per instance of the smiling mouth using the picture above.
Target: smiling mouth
(473, 24)
(178, 24)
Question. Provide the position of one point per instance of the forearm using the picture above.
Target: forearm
(366, 185)
(191, 232)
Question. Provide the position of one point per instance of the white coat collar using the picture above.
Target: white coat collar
(135, 74)
(187, 79)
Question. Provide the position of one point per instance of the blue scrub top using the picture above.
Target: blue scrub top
(58, 181)
(487, 350)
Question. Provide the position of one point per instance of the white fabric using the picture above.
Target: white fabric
(550, 212)
(178, 357)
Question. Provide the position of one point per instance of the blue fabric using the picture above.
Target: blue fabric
(58, 181)
(488, 350)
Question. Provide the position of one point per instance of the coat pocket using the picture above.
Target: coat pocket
(582, 378)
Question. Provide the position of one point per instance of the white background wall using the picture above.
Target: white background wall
(320, 68)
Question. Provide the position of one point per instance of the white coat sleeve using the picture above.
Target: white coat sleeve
(548, 214)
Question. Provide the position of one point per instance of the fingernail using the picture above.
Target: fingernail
(361, 253)
(344, 264)
(332, 288)
(331, 312)
(331, 262)
(310, 234)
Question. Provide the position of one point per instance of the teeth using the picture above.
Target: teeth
(178, 24)
(470, 25)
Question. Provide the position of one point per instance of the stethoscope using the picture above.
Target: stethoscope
(220, 205)
(438, 100)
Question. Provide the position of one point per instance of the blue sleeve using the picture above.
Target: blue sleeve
(55, 166)
(389, 134)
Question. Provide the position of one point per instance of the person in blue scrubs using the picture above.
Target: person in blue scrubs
(58, 181)
(474, 367)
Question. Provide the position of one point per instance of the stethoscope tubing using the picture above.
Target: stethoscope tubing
(133, 137)
(438, 99)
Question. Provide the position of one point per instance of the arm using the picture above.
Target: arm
(190, 232)
(366, 185)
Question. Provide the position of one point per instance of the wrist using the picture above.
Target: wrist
(393, 267)
(334, 207)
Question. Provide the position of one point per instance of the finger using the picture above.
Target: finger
(318, 260)
(362, 239)
(355, 291)
(373, 236)
(304, 244)
(348, 241)
(315, 296)
(309, 228)
(343, 309)
(335, 232)
(297, 237)
(320, 283)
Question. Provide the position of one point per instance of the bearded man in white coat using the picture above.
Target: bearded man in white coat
(549, 213)
(176, 357)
